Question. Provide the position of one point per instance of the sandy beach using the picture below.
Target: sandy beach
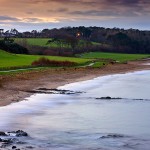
(15, 88)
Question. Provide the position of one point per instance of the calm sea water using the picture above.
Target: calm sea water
(81, 121)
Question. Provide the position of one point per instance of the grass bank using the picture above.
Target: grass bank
(114, 56)
(8, 60)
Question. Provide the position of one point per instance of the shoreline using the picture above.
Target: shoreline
(14, 88)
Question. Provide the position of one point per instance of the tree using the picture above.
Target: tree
(119, 39)
(64, 41)
(9, 45)
(34, 33)
(14, 31)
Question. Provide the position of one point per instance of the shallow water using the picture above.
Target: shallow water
(146, 64)
(80, 121)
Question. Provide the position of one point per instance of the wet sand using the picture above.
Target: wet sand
(15, 88)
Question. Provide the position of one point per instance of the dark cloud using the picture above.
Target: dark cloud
(103, 13)
(103, 7)
(13, 19)
(35, 1)
(61, 10)
(114, 2)
(94, 2)
(76, 12)
(112, 13)
(124, 2)
(7, 18)
(107, 7)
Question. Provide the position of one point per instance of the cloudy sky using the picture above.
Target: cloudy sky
(38, 14)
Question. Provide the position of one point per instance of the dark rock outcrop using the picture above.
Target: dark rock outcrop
(18, 133)
(14, 147)
(54, 91)
(112, 136)
(109, 98)
(7, 140)
(3, 133)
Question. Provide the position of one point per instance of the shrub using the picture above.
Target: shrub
(41, 50)
(9, 46)
(52, 63)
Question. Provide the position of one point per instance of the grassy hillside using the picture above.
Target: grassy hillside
(114, 56)
(37, 42)
(41, 42)
(8, 60)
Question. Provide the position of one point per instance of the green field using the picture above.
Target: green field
(8, 60)
(41, 42)
(114, 56)
(36, 42)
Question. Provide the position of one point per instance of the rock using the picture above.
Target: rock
(109, 98)
(54, 91)
(21, 133)
(112, 136)
(21, 142)
(14, 147)
(29, 147)
(139, 99)
(9, 140)
(3, 133)
(18, 133)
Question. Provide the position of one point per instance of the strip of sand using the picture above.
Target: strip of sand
(14, 88)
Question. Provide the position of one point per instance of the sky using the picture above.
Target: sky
(27, 15)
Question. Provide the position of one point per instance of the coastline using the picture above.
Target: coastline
(15, 88)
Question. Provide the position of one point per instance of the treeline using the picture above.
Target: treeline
(111, 40)
(85, 39)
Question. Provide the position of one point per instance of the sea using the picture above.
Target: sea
(106, 113)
